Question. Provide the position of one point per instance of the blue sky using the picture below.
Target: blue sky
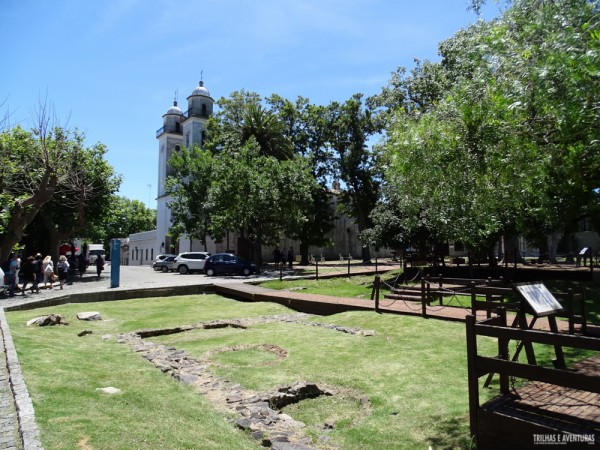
(111, 67)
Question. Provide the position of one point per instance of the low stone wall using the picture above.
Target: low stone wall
(116, 294)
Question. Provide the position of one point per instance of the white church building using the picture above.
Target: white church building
(184, 129)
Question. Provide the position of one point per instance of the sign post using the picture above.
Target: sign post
(115, 262)
(542, 304)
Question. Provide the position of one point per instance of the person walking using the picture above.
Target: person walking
(82, 263)
(276, 257)
(28, 272)
(99, 265)
(39, 273)
(63, 270)
(11, 274)
(48, 267)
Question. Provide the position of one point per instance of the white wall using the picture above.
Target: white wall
(141, 248)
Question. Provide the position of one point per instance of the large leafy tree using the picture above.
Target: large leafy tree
(351, 125)
(258, 195)
(190, 185)
(32, 164)
(307, 127)
(510, 145)
(246, 178)
(124, 217)
(82, 200)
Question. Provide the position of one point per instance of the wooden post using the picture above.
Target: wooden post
(317, 269)
(571, 305)
(348, 265)
(428, 289)
(280, 272)
(525, 343)
(559, 362)
(377, 283)
(473, 380)
(473, 299)
(376, 266)
(583, 313)
(503, 352)
(488, 300)
(423, 298)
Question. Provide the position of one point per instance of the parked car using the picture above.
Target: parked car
(164, 265)
(163, 256)
(189, 262)
(228, 263)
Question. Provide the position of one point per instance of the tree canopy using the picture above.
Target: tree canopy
(49, 175)
(499, 137)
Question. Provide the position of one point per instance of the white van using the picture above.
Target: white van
(95, 250)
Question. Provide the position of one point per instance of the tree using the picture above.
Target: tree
(351, 125)
(260, 195)
(82, 200)
(306, 126)
(190, 184)
(245, 179)
(509, 145)
(32, 164)
(124, 217)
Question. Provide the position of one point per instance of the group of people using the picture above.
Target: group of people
(35, 270)
(281, 258)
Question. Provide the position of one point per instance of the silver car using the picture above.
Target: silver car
(189, 262)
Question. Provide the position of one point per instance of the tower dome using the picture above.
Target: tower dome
(174, 109)
(200, 103)
(201, 90)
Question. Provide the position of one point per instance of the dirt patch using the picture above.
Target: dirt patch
(278, 352)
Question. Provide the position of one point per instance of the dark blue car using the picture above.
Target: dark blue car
(228, 263)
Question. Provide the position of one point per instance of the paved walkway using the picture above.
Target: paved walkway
(17, 422)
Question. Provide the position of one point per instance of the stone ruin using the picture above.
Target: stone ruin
(259, 414)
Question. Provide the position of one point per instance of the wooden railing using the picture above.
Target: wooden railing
(496, 327)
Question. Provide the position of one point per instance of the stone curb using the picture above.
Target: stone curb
(28, 429)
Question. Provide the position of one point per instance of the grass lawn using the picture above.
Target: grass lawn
(355, 286)
(414, 373)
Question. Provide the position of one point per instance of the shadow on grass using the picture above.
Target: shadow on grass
(450, 433)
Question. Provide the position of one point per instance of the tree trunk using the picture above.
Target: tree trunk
(553, 246)
(492, 261)
(366, 254)
(303, 254)
(24, 211)
(511, 249)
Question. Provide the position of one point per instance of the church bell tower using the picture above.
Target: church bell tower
(179, 129)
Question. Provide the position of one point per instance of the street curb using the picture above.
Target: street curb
(28, 429)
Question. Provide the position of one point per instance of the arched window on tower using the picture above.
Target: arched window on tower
(203, 109)
(177, 127)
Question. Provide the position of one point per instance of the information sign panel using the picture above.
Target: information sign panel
(539, 298)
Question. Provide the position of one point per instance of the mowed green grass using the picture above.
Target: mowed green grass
(414, 373)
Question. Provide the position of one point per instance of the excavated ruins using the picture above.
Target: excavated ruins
(258, 413)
